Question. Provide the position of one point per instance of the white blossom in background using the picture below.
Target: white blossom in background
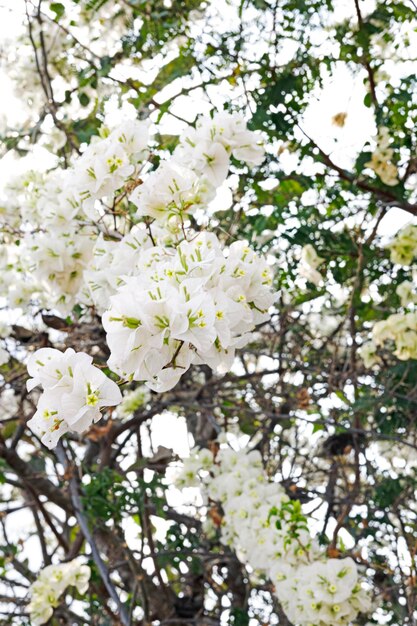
(21, 196)
(56, 205)
(17, 284)
(74, 392)
(310, 261)
(368, 353)
(400, 331)
(5, 329)
(134, 400)
(189, 304)
(9, 210)
(58, 262)
(55, 140)
(51, 583)
(9, 404)
(43, 199)
(4, 355)
(46, 264)
(269, 532)
(189, 475)
(407, 293)
(403, 247)
(381, 160)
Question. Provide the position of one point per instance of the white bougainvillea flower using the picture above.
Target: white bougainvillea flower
(48, 422)
(368, 353)
(207, 149)
(171, 190)
(334, 580)
(406, 291)
(75, 391)
(50, 367)
(398, 331)
(403, 247)
(51, 583)
(92, 390)
(307, 268)
(230, 130)
(108, 163)
(381, 159)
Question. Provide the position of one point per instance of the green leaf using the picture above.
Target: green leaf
(239, 617)
(368, 100)
(58, 9)
(317, 427)
(83, 98)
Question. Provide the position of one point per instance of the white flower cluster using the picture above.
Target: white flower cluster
(169, 297)
(404, 245)
(54, 199)
(195, 303)
(171, 191)
(134, 400)
(61, 260)
(401, 329)
(47, 199)
(54, 248)
(57, 262)
(224, 133)
(368, 354)
(74, 392)
(310, 261)
(406, 291)
(322, 593)
(189, 475)
(381, 160)
(108, 163)
(270, 533)
(51, 583)
(9, 404)
(111, 262)
(57, 244)
(198, 166)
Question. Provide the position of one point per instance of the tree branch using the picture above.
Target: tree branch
(79, 513)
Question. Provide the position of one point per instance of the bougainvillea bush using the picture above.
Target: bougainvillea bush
(208, 322)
